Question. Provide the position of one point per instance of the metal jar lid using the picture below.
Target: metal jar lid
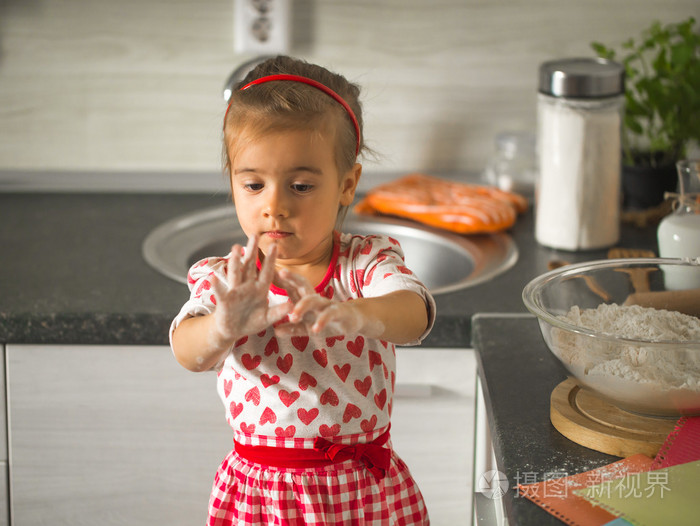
(582, 78)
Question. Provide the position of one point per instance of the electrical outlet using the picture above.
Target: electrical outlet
(261, 26)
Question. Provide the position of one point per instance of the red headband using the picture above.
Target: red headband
(311, 82)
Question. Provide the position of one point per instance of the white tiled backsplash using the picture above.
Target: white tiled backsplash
(133, 85)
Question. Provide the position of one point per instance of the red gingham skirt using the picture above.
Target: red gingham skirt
(345, 493)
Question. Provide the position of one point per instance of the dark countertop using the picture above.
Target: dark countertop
(518, 373)
(71, 270)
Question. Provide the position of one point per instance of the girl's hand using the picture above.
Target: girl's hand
(241, 303)
(315, 314)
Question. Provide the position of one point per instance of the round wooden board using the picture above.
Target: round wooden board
(582, 417)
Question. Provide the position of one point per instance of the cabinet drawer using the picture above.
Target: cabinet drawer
(111, 436)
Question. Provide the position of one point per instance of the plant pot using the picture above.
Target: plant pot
(644, 186)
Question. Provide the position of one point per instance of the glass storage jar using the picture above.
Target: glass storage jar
(579, 115)
(514, 165)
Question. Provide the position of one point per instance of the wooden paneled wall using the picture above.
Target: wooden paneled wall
(132, 85)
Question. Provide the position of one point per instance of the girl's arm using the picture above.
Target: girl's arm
(202, 342)
(197, 344)
(399, 317)
(403, 314)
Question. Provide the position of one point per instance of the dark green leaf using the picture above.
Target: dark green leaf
(662, 98)
(633, 125)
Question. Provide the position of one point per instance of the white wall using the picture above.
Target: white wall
(131, 85)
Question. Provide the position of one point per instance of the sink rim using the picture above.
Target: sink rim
(162, 247)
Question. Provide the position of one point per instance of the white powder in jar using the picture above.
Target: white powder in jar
(578, 190)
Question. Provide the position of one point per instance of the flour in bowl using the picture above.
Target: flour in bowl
(634, 371)
(634, 321)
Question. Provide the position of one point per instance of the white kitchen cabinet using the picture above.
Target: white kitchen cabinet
(4, 483)
(125, 436)
(110, 436)
(432, 427)
(488, 507)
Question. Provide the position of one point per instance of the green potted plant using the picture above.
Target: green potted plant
(662, 107)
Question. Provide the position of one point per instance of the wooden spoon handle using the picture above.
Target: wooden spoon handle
(685, 301)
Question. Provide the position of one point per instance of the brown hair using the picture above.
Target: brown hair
(283, 105)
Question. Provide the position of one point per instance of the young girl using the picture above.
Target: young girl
(301, 324)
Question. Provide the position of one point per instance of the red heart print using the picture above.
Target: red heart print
(326, 431)
(356, 346)
(363, 386)
(241, 341)
(321, 357)
(272, 347)
(386, 371)
(249, 362)
(351, 411)
(287, 397)
(213, 299)
(384, 343)
(285, 364)
(247, 428)
(235, 409)
(380, 399)
(343, 371)
(205, 285)
(300, 342)
(329, 397)
(307, 416)
(404, 270)
(368, 276)
(359, 278)
(330, 341)
(268, 415)
(228, 384)
(374, 359)
(285, 432)
(328, 293)
(261, 334)
(253, 395)
(267, 380)
(367, 246)
(281, 322)
(306, 380)
(368, 425)
(393, 241)
(393, 380)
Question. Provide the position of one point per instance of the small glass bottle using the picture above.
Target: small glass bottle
(513, 167)
(579, 116)
(679, 232)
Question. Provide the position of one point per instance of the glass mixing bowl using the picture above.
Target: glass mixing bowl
(627, 329)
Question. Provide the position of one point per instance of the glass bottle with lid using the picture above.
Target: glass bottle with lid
(679, 232)
(579, 115)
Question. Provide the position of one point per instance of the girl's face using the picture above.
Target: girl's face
(287, 190)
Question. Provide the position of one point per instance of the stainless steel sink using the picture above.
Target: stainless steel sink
(445, 262)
